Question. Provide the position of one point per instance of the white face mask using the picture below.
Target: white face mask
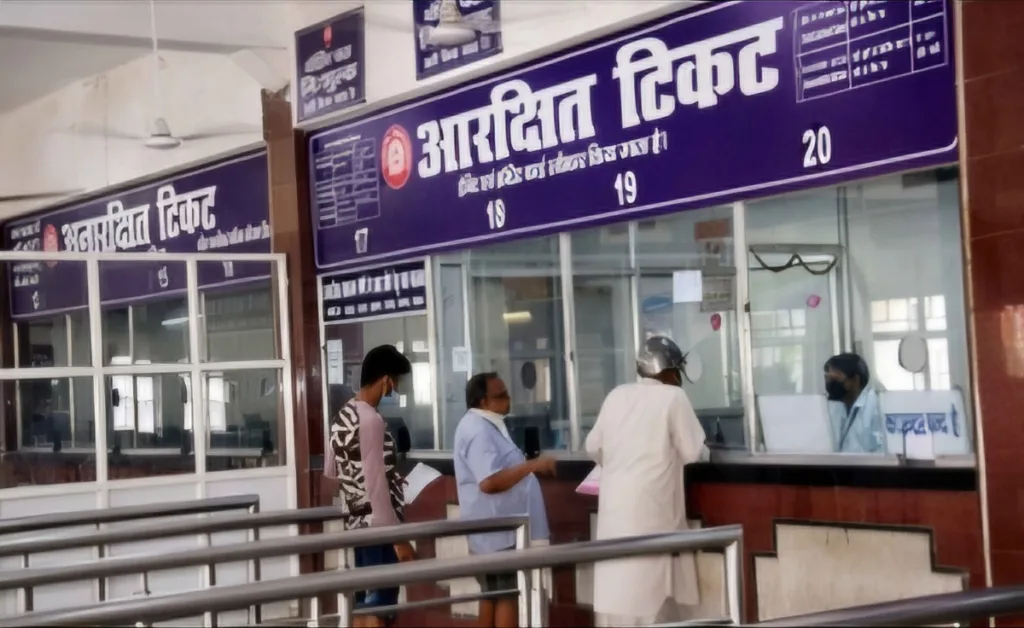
(490, 415)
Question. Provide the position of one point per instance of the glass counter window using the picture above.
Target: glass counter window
(501, 309)
(760, 295)
(874, 270)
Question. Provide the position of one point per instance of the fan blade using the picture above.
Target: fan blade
(88, 129)
(224, 131)
(14, 198)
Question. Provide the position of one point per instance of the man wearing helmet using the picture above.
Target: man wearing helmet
(645, 434)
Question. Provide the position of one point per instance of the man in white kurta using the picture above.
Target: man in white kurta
(644, 435)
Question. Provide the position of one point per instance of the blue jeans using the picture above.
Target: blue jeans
(375, 556)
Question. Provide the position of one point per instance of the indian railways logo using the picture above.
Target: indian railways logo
(396, 157)
(51, 243)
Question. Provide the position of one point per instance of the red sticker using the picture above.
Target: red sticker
(50, 242)
(716, 321)
(396, 157)
(813, 301)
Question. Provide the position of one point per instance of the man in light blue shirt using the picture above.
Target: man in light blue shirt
(495, 479)
(853, 406)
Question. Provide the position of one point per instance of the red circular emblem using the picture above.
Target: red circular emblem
(396, 157)
(50, 242)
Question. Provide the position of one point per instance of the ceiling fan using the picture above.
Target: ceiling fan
(160, 136)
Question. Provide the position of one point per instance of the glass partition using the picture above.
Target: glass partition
(760, 295)
(512, 297)
(345, 344)
(181, 353)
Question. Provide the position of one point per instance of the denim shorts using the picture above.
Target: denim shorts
(494, 582)
(375, 556)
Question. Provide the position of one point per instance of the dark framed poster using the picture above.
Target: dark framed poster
(387, 291)
(432, 56)
(330, 59)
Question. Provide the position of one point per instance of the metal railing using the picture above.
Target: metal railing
(103, 539)
(941, 609)
(151, 532)
(99, 516)
(27, 579)
(346, 583)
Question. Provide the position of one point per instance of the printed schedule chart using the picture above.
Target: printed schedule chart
(841, 46)
(346, 182)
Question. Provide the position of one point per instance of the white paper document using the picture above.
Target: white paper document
(687, 286)
(418, 479)
(795, 424)
(591, 484)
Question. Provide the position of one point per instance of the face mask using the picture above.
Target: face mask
(835, 390)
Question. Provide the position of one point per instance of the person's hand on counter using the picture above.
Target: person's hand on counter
(543, 465)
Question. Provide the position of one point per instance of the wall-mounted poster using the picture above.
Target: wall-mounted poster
(434, 54)
(722, 101)
(330, 59)
(223, 207)
(399, 289)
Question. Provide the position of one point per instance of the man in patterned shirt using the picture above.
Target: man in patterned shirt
(365, 458)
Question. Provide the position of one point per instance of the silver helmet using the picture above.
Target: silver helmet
(658, 355)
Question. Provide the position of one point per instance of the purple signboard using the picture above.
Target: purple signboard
(331, 71)
(483, 16)
(220, 208)
(727, 101)
(398, 289)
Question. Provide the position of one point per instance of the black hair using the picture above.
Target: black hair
(850, 365)
(383, 361)
(476, 388)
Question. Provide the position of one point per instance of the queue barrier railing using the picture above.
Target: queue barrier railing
(104, 539)
(100, 516)
(253, 551)
(929, 610)
(526, 562)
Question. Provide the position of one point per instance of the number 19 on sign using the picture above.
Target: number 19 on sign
(496, 213)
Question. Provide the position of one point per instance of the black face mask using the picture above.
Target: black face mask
(835, 390)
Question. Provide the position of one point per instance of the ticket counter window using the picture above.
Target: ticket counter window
(687, 291)
(872, 269)
(501, 309)
(345, 347)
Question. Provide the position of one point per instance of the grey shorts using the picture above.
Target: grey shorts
(494, 582)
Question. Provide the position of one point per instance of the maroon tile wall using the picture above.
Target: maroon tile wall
(992, 160)
(951, 515)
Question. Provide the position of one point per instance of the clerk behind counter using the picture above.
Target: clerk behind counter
(853, 405)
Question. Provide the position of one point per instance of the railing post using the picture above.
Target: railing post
(524, 579)
(734, 582)
(345, 602)
(254, 536)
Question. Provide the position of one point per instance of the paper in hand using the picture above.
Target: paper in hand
(418, 479)
(591, 484)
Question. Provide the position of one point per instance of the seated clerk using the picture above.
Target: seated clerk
(853, 406)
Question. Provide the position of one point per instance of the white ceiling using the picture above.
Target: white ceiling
(31, 69)
(48, 44)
